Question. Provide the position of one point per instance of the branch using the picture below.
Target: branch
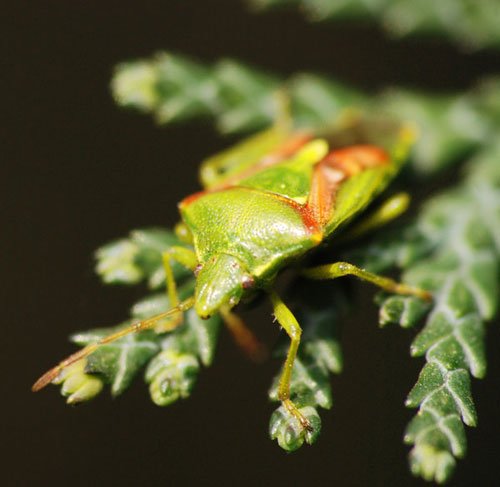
(453, 249)
(240, 99)
(472, 27)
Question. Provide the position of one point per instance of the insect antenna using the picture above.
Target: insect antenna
(138, 326)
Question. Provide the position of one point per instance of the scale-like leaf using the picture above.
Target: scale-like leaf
(172, 373)
(310, 385)
(247, 98)
(120, 360)
(452, 249)
(196, 336)
(77, 385)
(287, 430)
(321, 347)
(138, 257)
(171, 376)
(242, 99)
(472, 25)
(448, 126)
(405, 311)
(319, 356)
(459, 232)
(316, 100)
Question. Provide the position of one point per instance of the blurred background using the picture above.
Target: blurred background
(80, 172)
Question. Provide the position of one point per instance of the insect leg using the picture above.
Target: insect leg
(388, 211)
(185, 257)
(286, 319)
(244, 337)
(86, 351)
(338, 166)
(339, 269)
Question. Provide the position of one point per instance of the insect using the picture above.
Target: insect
(266, 204)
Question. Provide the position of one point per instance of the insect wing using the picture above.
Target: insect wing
(357, 192)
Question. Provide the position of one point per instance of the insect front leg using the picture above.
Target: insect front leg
(185, 257)
(339, 269)
(136, 327)
(288, 321)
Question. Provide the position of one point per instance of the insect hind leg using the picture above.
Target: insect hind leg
(340, 269)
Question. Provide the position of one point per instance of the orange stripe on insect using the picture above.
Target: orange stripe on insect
(358, 158)
(329, 174)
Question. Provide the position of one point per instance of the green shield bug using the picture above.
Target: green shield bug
(266, 204)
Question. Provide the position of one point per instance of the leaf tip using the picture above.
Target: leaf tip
(289, 433)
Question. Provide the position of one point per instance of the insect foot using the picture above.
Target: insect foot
(171, 376)
(290, 432)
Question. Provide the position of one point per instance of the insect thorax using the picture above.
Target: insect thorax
(262, 229)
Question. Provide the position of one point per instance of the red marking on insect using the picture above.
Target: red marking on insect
(192, 198)
(336, 167)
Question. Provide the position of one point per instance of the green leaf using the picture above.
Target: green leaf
(151, 244)
(172, 373)
(448, 126)
(472, 25)
(196, 336)
(320, 353)
(241, 98)
(445, 392)
(173, 357)
(185, 89)
(316, 100)
(405, 311)
(115, 263)
(319, 356)
(173, 87)
(432, 464)
(137, 258)
(321, 348)
(457, 233)
(121, 360)
(134, 85)
(288, 431)
(454, 345)
(201, 335)
(452, 248)
(247, 97)
(310, 385)
(325, 352)
(171, 376)
(77, 385)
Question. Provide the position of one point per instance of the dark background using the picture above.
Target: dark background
(80, 172)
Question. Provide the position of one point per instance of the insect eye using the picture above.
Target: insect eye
(247, 282)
